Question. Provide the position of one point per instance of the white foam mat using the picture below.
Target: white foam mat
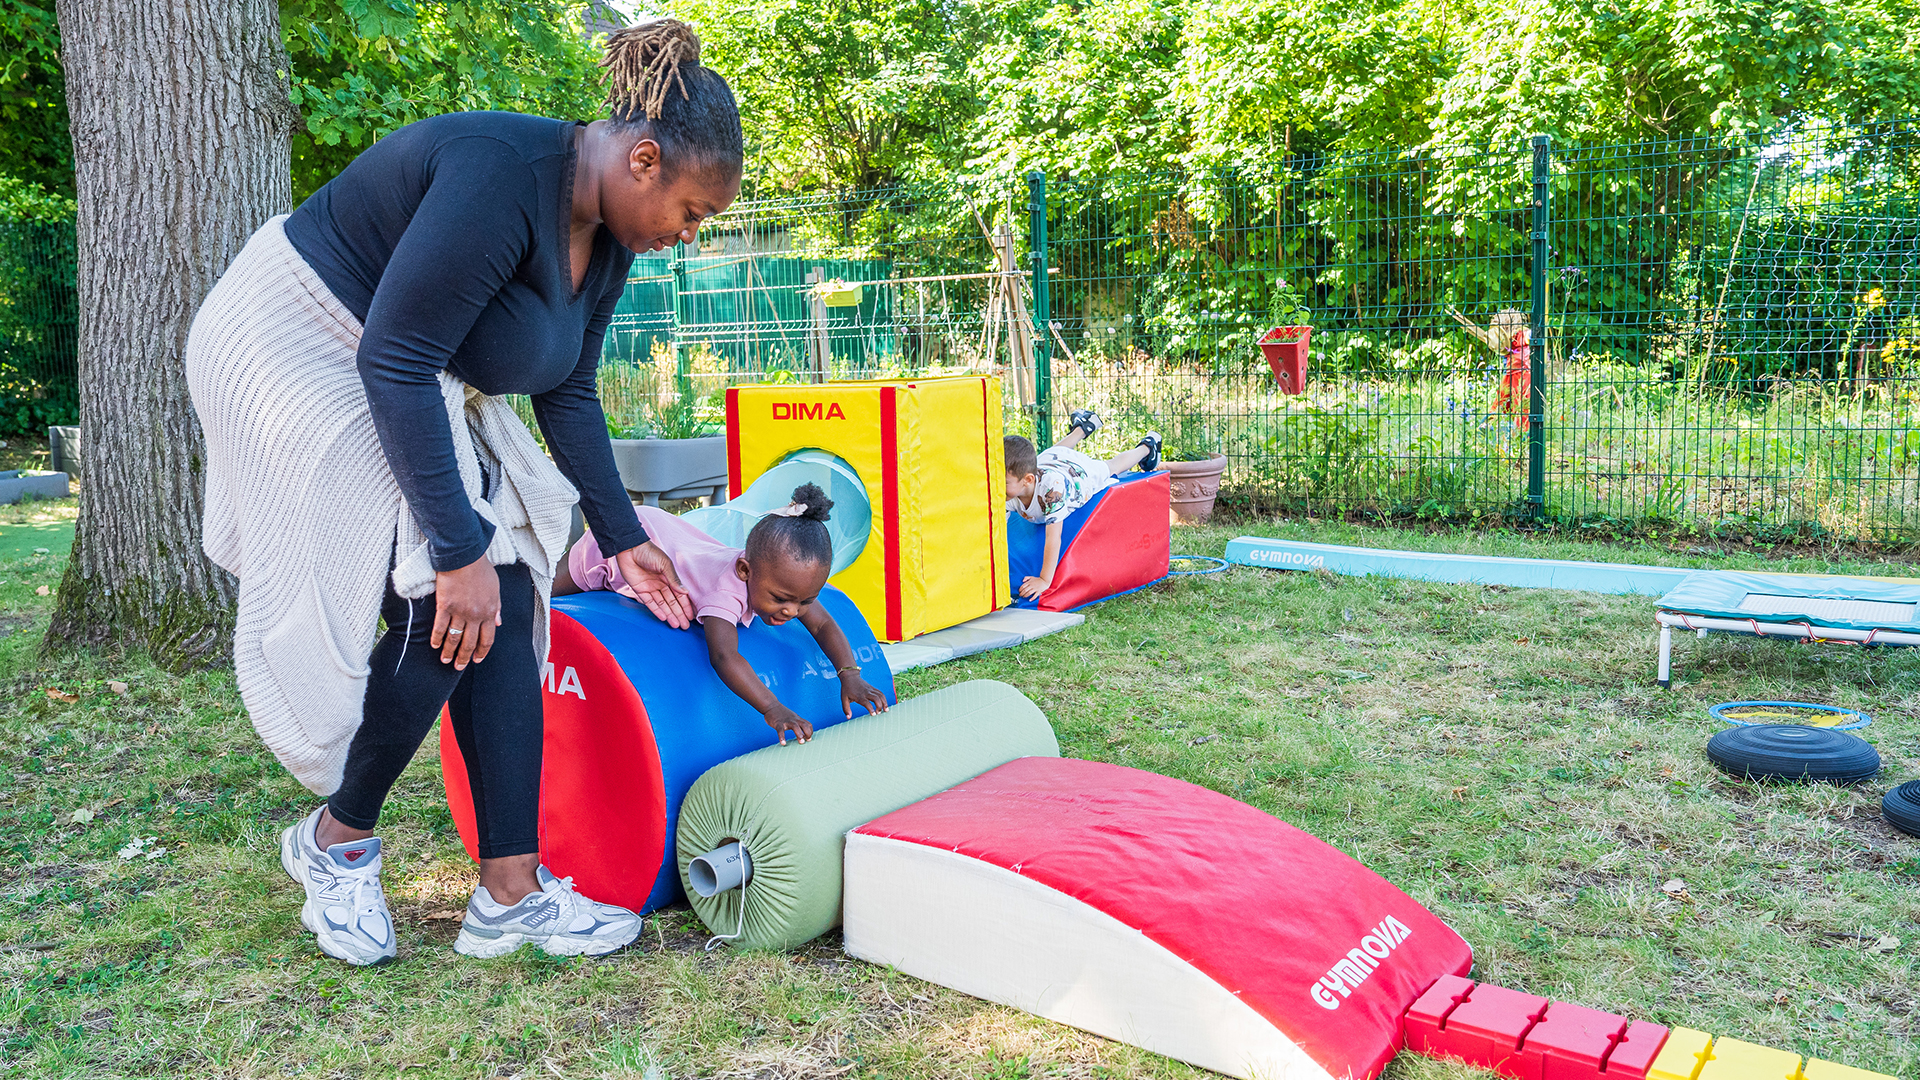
(996, 630)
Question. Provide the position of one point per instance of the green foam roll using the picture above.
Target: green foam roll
(791, 806)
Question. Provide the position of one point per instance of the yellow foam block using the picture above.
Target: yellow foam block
(929, 453)
(1681, 1055)
(1817, 1069)
(1731, 1059)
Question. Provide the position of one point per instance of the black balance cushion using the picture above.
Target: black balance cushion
(1793, 752)
(1901, 807)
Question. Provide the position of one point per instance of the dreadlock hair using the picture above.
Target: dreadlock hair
(803, 537)
(657, 89)
(1022, 459)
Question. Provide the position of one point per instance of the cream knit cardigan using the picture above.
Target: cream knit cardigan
(302, 508)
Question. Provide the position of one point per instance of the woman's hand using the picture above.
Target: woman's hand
(856, 690)
(649, 573)
(466, 608)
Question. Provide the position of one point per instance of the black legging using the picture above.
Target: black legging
(496, 718)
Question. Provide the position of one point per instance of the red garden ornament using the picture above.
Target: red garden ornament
(1285, 348)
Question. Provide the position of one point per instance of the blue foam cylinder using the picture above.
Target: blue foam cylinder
(635, 714)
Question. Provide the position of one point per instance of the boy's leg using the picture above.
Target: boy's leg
(1139, 456)
(1080, 424)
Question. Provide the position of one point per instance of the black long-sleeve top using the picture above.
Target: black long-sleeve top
(449, 240)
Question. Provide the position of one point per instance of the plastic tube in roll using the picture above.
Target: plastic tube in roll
(848, 526)
(725, 867)
(792, 805)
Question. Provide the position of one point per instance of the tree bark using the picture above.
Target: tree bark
(180, 118)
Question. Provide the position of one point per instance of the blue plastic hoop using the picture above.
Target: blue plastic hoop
(1844, 719)
(1218, 564)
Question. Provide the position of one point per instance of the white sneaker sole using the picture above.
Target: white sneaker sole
(485, 948)
(332, 946)
(286, 854)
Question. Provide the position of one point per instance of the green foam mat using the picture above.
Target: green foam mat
(791, 806)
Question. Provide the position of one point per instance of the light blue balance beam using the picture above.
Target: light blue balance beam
(1455, 569)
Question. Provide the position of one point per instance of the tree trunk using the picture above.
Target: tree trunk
(180, 117)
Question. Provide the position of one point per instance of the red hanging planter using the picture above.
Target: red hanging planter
(1285, 348)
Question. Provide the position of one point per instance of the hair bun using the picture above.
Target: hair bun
(814, 500)
(643, 62)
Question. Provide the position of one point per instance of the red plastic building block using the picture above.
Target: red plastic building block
(1430, 1011)
(1488, 1028)
(1527, 1038)
(1633, 1056)
(1572, 1042)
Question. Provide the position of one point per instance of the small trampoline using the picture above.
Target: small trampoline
(1804, 607)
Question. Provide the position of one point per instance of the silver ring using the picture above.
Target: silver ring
(455, 632)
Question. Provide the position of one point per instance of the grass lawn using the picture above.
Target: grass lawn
(1500, 754)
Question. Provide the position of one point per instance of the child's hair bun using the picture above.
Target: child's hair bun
(802, 535)
(816, 501)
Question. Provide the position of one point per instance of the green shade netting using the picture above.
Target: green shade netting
(791, 806)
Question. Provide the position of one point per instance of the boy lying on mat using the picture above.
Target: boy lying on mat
(1045, 487)
(778, 577)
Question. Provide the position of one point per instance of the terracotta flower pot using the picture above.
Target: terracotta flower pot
(1194, 486)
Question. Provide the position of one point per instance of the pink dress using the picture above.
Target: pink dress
(704, 564)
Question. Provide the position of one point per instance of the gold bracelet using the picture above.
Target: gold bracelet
(849, 667)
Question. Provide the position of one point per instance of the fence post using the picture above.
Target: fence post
(819, 346)
(677, 267)
(1537, 336)
(1042, 309)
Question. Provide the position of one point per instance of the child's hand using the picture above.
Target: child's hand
(1034, 586)
(782, 719)
(855, 690)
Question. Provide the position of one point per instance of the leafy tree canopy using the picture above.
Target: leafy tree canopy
(857, 93)
(35, 149)
(846, 93)
(850, 93)
(362, 68)
(359, 69)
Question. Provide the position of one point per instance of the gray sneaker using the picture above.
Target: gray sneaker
(345, 908)
(559, 920)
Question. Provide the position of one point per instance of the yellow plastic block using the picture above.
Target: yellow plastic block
(1832, 1070)
(1681, 1055)
(929, 454)
(1731, 1059)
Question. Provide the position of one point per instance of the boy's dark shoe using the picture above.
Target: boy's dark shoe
(1151, 440)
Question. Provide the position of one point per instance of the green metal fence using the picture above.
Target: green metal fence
(1707, 331)
(849, 285)
(1711, 332)
(39, 318)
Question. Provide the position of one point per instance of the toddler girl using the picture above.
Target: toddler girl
(778, 577)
